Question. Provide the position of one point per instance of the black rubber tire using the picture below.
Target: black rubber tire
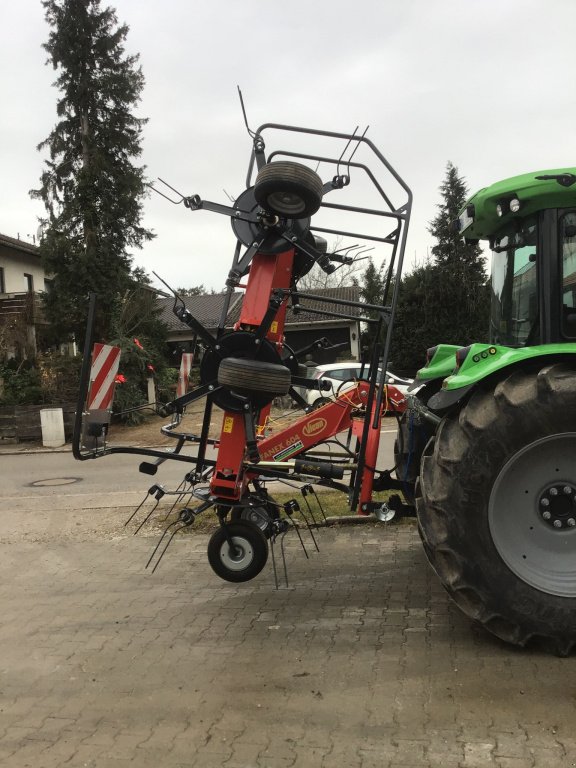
(319, 402)
(252, 553)
(246, 376)
(288, 189)
(466, 476)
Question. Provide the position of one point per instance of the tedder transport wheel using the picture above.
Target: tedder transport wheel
(496, 507)
(245, 559)
(254, 376)
(288, 189)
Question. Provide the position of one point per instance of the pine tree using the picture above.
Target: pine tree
(458, 297)
(414, 328)
(372, 286)
(446, 300)
(91, 188)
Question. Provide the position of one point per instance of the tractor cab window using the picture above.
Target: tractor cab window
(568, 241)
(514, 320)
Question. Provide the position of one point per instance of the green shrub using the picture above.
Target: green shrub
(166, 383)
(22, 384)
(129, 395)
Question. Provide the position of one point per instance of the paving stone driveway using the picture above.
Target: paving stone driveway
(361, 663)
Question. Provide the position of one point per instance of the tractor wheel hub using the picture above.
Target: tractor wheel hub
(557, 506)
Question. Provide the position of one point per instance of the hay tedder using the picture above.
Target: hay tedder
(294, 201)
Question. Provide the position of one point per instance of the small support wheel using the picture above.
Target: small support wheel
(288, 189)
(245, 558)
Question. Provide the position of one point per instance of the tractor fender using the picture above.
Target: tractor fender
(477, 370)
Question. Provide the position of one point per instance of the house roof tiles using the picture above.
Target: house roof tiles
(207, 308)
(19, 245)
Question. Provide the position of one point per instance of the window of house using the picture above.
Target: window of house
(2, 283)
(29, 282)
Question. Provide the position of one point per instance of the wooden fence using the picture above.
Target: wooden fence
(19, 423)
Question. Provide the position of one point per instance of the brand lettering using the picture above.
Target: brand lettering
(314, 426)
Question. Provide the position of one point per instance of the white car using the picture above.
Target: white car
(338, 373)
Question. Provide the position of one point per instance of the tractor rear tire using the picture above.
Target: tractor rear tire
(288, 189)
(247, 376)
(496, 505)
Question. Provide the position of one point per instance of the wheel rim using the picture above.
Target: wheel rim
(257, 515)
(286, 203)
(532, 514)
(239, 557)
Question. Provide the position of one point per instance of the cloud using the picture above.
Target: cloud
(483, 84)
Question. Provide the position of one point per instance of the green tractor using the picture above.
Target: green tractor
(487, 449)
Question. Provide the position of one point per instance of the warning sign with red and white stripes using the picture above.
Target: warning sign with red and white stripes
(185, 366)
(103, 372)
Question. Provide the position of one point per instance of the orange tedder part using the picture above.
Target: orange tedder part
(268, 272)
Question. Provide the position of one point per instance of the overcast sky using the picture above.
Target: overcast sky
(486, 84)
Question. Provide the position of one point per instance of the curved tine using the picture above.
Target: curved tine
(185, 521)
(344, 151)
(310, 529)
(160, 541)
(363, 250)
(348, 248)
(310, 510)
(178, 501)
(300, 537)
(319, 504)
(355, 149)
(177, 297)
(250, 131)
(180, 495)
(148, 516)
(138, 508)
(182, 197)
(273, 561)
(174, 532)
(283, 553)
(153, 188)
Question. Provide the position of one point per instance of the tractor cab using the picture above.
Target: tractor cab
(530, 223)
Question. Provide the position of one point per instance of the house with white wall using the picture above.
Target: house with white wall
(22, 278)
(21, 269)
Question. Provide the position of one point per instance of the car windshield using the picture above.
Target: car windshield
(514, 317)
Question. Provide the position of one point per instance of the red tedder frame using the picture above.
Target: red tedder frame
(291, 201)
